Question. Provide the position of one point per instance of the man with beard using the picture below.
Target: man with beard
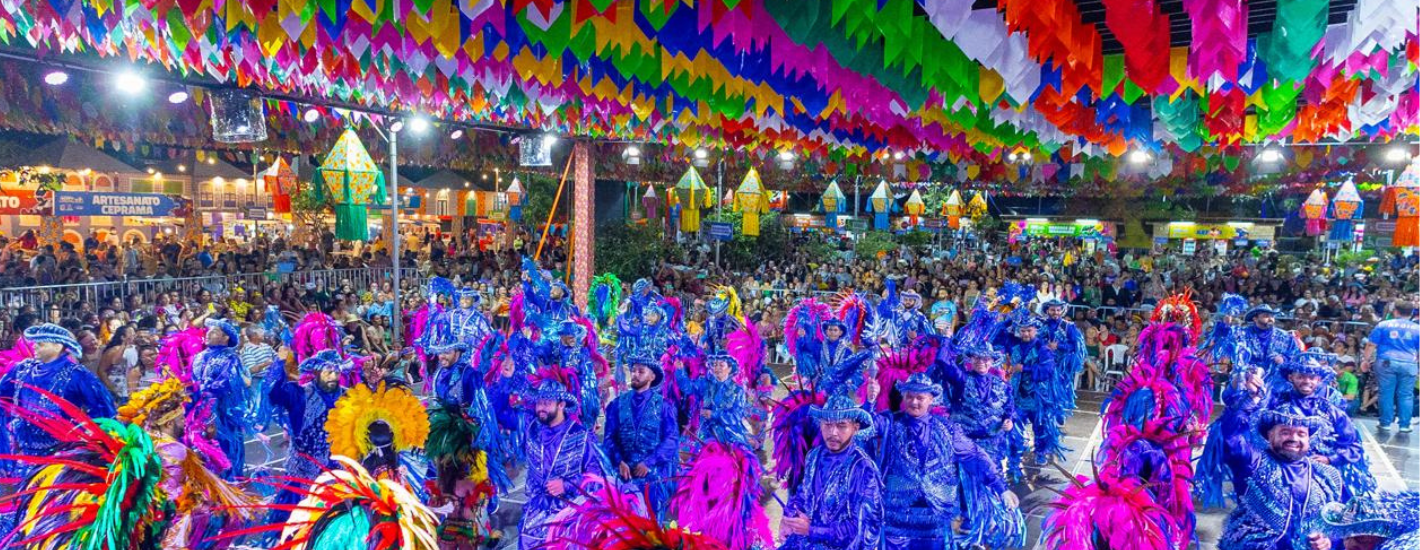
(459, 385)
(54, 368)
(928, 464)
(548, 301)
(840, 503)
(641, 434)
(1341, 448)
(720, 321)
(1063, 339)
(1281, 508)
(1264, 347)
(306, 408)
(1033, 375)
(223, 380)
(571, 351)
(560, 452)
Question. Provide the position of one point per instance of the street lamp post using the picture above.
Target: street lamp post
(395, 312)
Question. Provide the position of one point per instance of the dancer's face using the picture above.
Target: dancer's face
(329, 379)
(1027, 334)
(833, 332)
(549, 411)
(721, 370)
(1304, 384)
(651, 318)
(916, 404)
(1055, 312)
(1264, 320)
(48, 351)
(980, 365)
(448, 358)
(215, 337)
(838, 434)
(466, 303)
(1292, 442)
(641, 377)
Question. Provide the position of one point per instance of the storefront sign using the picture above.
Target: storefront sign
(19, 202)
(78, 203)
(1209, 231)
(1038, 229)
(256, 213)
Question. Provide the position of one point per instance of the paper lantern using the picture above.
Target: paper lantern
(881, 204)
(517, 199)
(976, 209)
(349, 180)
(750, 200)
(280, 181)
(691, 195)
(1403, 199)
(651, 203)
(914, 207)
(1314, 212)
(833, 203)
(1346, 208)
(778, 200)
(952, 209)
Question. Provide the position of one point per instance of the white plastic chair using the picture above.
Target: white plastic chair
(1116, 361)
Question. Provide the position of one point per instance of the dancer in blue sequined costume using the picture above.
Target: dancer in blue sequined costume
(839, 506)
(307, 406)
(220, 378)
(1281, 509)
(929, 468)
(1039, 392)
(1063, 338)
(642, 439)
(986, 408)
(560, 451)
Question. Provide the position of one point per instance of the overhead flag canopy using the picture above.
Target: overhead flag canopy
(934, 78)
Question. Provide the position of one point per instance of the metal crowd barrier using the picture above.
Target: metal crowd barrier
(101, 293)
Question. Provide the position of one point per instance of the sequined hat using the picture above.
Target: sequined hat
(1289, 415)
(841, 407)
(1259, 310)
(1394, 517)
(1316, 363)
(640, 285)
(654, 365)
(552, 390)
(717, 305)
(439, 336)
(52, 333)
(915, 297)
(1232, 305)
(234, 334)
(327, 360)
(470, 293)
(571, 328)
(981, 349)
(919, 383)
(1024, 322)
(831, 322)
(734, 363)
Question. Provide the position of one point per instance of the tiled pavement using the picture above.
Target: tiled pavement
(1395, 460)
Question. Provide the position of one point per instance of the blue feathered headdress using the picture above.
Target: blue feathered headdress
(438, 286)
(234, 334)
(842, 407)
(1232, 305)
(327, 360)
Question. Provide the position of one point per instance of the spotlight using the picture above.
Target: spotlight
(1013, 157)
(548, 140)
(456, 134)
(899, 155)
(1397, 154)
(130, 82)
(701, 153)
(632, 155)
(211, 160)
(465, 184)
(182, 168)
(419, 124)
(397, 126)
(177, 97)
(1270, 156)
(1139, 156)
(56, 78)
(786, 156)
(485, 177)
(1025, 157)
(311, 115)
(151, 170)
(633, 151)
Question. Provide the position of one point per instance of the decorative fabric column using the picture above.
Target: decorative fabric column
(583, 222)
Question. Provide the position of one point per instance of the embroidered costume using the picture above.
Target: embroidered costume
(1040, 396)
(842, 493)
(567, 452)
(222, 380)
(307, 406)
(1282, 504)
(641, 431)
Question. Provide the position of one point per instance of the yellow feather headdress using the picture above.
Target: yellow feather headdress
(166, 398)
(349, 422)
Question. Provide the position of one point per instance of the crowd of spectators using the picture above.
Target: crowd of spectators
(1329, 306)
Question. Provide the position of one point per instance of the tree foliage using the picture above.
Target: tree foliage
(631, 251)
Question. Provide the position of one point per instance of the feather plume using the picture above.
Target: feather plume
(517, 311)
(1107, 512)
(606, 299)
(22, 350)
(795, 433)
(200, 414)
(746, 346)
(176, 354)
(896, 365)
(99, 493)
(677, 313)
(853, 310)
(719, 497)
(609, 519)
(315, 333)
(808, 315)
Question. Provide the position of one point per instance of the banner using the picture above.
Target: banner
(1038, 229)
(79, 203)
(721, 231)
(1209, 231)
(19, 202)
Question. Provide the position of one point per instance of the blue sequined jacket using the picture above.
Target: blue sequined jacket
(842, 496)
(923, 462)
(1282, 505)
